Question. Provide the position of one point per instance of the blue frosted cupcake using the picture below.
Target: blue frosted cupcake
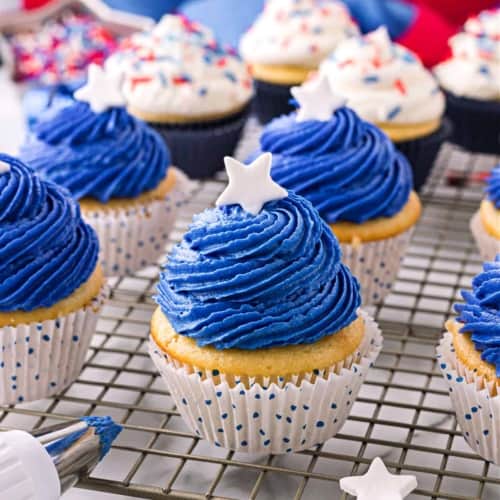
(116, 166)
(469, 357)
(257, 331)
(354, 176)
(51, 287)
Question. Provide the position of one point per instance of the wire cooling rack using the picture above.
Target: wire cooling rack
(403, 412)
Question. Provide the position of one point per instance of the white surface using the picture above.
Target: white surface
(32, 475)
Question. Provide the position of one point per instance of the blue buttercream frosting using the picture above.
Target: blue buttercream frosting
(480, 314)
(346, 167)
(98, 155)
(46, 249)
(493, 187)
(242, 281)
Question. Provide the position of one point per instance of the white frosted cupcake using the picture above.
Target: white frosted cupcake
(286, 42)
(116, 166)
(189, 88)
(387, 85)
(51, 287)
(471, 79)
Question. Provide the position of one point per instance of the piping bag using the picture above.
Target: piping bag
(42, 465)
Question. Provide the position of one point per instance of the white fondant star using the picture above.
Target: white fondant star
(4, 167)
(379, 484)
(102, 90)
(250, 186)
(317, 100)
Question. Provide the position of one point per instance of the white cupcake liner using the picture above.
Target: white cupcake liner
(488, 245)
(38, 360)
(475, 401)
(133, 238)
(376, 264)
(275, 417)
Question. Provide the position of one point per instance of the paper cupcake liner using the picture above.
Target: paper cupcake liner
(488, 245)
(475, 401)
(269, 416)
(422, 152)
(376, 264)
(133, 238)
(38, 360)
(199, 149)
(271, 100)
(476, 124)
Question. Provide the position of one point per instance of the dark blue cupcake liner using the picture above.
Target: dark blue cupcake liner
(422, 152)
(199, 149)
(271, 100)
(476, 123)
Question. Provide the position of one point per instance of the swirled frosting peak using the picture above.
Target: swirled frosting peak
(297, 32)
(46, 249)
(346, 167)
(480, 314)
(247, 281)
(493, 187)
(382, 81)
(98, 155)
(473, 71)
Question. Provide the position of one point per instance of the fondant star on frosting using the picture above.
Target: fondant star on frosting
(379, 484)
(250, 186)
(102, 90)
(4, 167)
(317, 100)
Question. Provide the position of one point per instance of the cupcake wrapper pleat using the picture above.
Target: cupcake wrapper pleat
(475, 401)
(376, 264)
(271, 416)
(131, 239)
(38, 360)
(271, 100)
(488, 245)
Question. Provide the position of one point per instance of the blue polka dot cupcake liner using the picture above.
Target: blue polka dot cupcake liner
(273, 415)
(133, 238)
(475, 401)
(376, 264)
(488, 245)
(39, 360)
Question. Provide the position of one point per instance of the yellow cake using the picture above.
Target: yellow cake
(490, 218)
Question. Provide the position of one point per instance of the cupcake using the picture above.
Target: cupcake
(353, 175)
(485, 225)
(386, 84)
(258, 335)
(194, 92)
(116, 167)
(287, 41)
(471, 79)
(51, 287)
(469, 357)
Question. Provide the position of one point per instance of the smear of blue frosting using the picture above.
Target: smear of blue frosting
(97, 155)
(242, 281)
(346, 167)
(480, 314)
(493, 187)
(46, 249)
(106, 429)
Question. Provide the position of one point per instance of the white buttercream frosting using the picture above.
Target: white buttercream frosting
(383, 81)
(178, 69)
(296, 32)
(474, 68)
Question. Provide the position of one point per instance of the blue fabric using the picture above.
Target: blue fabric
(98, 155)
(481, 313)
(250, 282)
(493, 187)
(150, 8)
(46, 249)
(346, 167)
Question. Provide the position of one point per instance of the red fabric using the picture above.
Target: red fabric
(34, 4)
(457, 11)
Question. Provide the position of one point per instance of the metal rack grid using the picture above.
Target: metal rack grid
(403, 412)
